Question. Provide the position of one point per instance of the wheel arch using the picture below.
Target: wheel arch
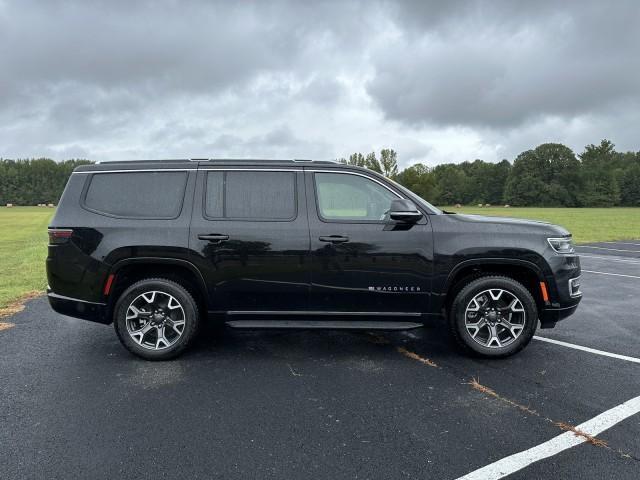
(128, 271)
(523, 271)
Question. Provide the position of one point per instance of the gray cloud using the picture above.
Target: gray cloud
(438, 81)
(483, 68)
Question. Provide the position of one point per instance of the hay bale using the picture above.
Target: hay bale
(480, 205)
(487, 204)
(9, 205)
(458, 205)
(51, 205)
(507, 206)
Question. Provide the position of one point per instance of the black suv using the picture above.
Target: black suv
(157, 247)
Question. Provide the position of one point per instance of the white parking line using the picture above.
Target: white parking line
(614, 274)
(610, 249)
(588, 349)
(613, 258)
(623, 243)
(593, 427)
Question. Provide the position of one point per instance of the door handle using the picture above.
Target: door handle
(214, 237)
(334, 239)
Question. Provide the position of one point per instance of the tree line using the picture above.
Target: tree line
(34, 181)
(550, 175)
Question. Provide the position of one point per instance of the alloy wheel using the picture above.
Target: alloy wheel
(155, 320)
(495, 318)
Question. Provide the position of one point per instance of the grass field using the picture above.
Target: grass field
(586, 224)
(23, 237)
(23, 249)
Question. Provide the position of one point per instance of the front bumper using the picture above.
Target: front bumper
(74, 307)
(563, 300)
(550, 316)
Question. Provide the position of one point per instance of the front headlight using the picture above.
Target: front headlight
(561, 245)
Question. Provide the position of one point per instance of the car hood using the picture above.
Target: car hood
(513, 223)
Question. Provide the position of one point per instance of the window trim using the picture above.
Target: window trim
(224, 171)
(317, 200)
(87, 185)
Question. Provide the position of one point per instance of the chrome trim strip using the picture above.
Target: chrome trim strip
(579, 292)
(141, 170)
(51, 294)
(320, 312)
(326, 324)
(252, 169)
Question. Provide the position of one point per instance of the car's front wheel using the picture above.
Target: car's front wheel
(156, 318)
(493, 316)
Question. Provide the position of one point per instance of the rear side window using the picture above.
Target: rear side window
(151, 195)
(251, 195)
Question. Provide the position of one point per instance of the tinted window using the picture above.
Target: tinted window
(251, 195)
(351, 197)
(137, 194)
(214, 206)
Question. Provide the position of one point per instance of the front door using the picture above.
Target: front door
(250, 238)
(361, 261)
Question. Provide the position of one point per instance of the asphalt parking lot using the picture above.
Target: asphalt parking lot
(290, 404)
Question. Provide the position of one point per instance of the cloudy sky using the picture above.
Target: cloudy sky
(437, 81)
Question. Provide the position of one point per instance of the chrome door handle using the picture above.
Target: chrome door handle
(334, 239)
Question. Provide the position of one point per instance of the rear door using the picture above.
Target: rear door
(361, 261)
(250, 237)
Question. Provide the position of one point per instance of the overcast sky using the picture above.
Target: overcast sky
(437, 81)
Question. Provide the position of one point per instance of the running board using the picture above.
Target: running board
(325, 324)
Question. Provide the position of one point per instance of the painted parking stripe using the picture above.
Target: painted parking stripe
(588, 349)
(614, 274)
(612, 258)
(623, 243)
(593, 427)
(610, 249)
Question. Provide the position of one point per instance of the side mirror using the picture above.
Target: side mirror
(404, 211)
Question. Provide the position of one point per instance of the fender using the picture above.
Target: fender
(483, 261)
(162, 261)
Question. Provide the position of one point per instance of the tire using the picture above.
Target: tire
(156, 319)
(500, 326)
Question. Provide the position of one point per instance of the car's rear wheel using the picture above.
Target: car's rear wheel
(156, 318)
(493, 316)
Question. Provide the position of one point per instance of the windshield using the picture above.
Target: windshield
(416, 198)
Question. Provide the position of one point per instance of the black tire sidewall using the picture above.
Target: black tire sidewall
(464, 296)
(162, 285)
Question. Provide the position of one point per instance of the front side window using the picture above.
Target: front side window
(250, 195)
(351, 197)
(149, 195)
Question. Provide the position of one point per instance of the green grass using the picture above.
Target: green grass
(23, 250)
(586, 224)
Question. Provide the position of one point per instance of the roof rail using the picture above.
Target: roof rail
(117, 162)
(295, 160)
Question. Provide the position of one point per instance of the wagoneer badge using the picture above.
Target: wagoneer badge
(394, 289)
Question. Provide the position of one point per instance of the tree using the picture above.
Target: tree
(34, 181)
(451, 185)
(356, 159)
(419, 179)
(599, 175)
(389, 162)
(548, 175)
(372, 163)
(630, 186)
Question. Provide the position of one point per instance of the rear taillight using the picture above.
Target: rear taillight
(59, 235)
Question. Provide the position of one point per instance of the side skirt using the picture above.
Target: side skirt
(325, 324)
